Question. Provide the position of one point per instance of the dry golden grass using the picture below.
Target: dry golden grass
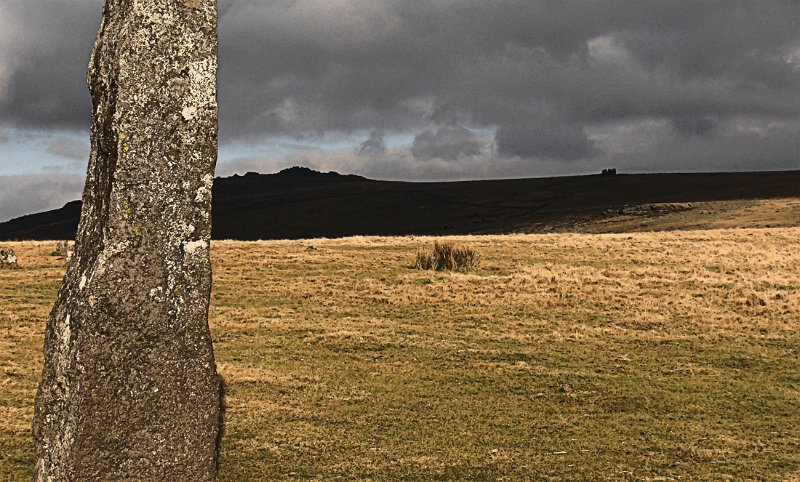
(636, 356)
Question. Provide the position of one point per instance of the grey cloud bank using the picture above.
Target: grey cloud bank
(68, 148)
(485, 88)
(30, 193)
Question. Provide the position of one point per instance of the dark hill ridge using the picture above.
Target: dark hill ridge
(302, 203)
(58, 224)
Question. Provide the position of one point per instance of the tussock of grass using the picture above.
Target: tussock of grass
(447, 257)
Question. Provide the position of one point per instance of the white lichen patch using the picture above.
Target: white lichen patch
(201, 92)
(189, 113)
(204, 191)
(66, 334)
(157, 294)
(82, 284)
(202, 82)
(193, 246)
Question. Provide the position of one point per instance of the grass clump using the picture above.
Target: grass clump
(447, 257)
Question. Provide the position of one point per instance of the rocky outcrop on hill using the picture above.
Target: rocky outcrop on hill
(649, 209)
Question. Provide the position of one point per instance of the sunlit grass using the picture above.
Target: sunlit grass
(633, 356)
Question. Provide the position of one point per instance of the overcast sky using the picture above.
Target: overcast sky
(436, 89)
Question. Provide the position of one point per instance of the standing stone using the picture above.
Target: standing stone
(64, 249)
(61, 248)
(8, 259)
(129, 389)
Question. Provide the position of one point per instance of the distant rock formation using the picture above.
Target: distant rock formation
(649, 209)
(129, 389)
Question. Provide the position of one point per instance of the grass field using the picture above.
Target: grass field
(644, 356)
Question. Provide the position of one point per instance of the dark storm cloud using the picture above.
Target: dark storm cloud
(545, 75)
(316, 66)
(45, 53)
(545, 140)
(692, 126)
(733, 146)
(449, 143)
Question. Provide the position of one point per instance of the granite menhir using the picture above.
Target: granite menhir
(129, 389)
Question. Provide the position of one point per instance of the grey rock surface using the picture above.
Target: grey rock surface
(129, 389)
